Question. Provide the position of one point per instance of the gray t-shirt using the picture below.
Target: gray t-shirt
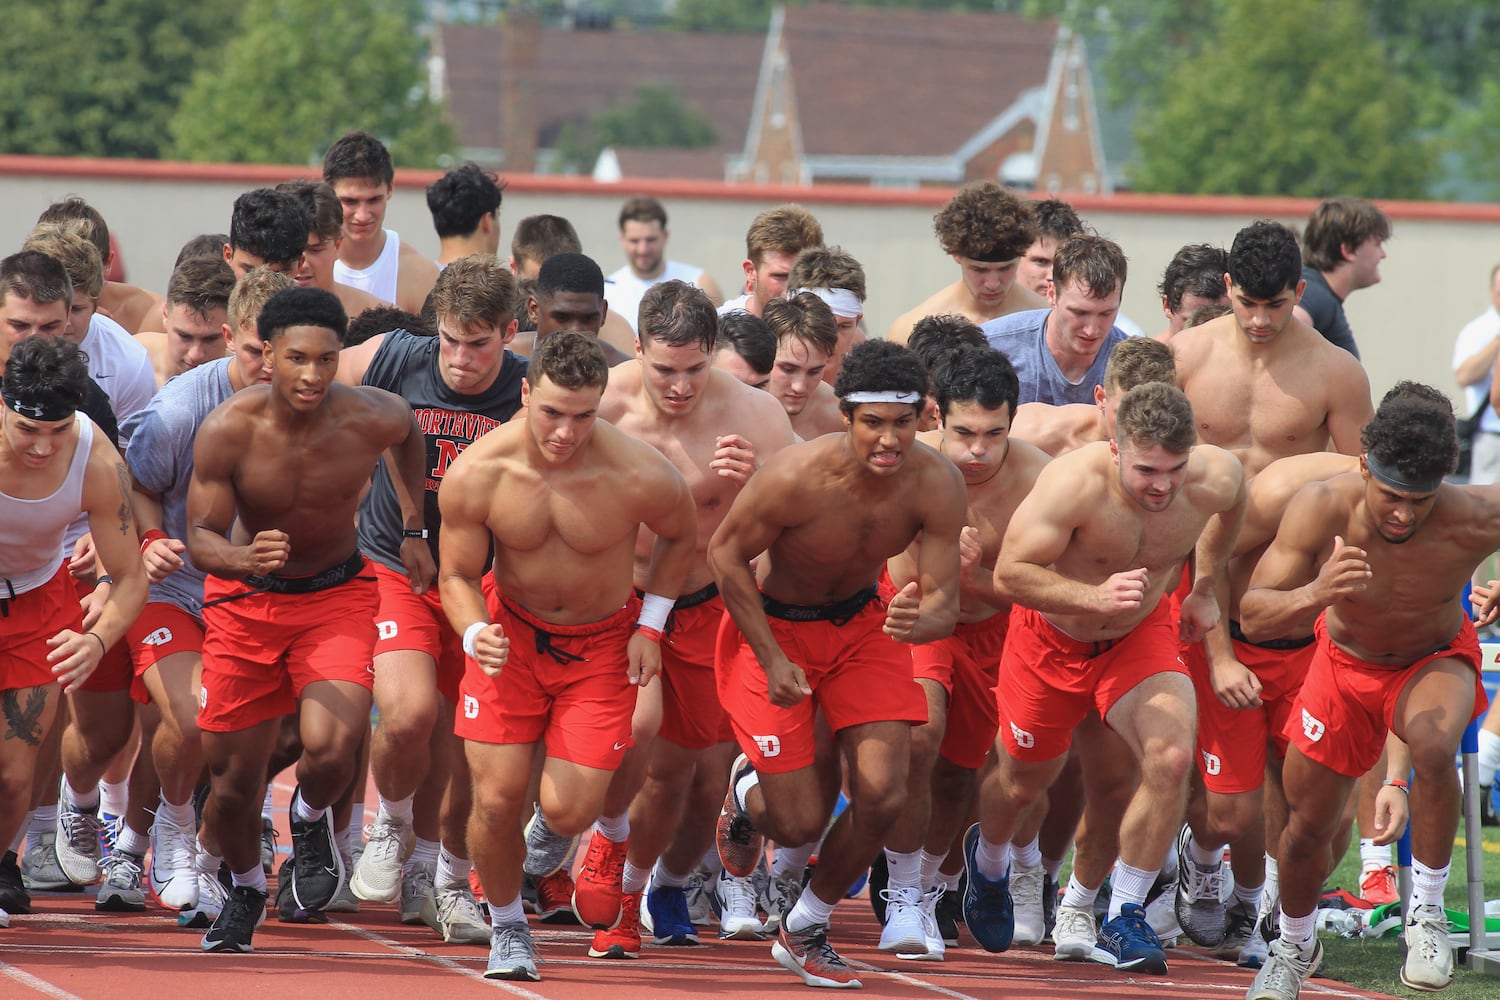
(160, 457)
(1020, 337)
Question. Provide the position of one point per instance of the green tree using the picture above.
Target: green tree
(656, 118)
(1291, 98)
(297, 75)
(100, 77)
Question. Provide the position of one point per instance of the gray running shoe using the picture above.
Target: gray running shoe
(416, 889)
(455, 914)
(79, 850)
(1200, 892)
(1239, 929)
(40, 869)
(512, 954)
(121, 891)
(546, 852)
(1429, 956)
(377, 874)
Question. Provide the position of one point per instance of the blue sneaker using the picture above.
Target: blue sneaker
(1491, 816)
(670, 922)
(1128, 942)
(988, 911)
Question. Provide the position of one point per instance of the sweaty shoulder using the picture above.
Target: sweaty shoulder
(1217, 474)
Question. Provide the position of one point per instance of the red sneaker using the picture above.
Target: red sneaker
(554, 898)
(809, 955)
(596, 897)
(740, 846)
(1378, 886)
(474, 886)
(624, 939)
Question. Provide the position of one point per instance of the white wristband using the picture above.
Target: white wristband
(470, 634)
(654, 611)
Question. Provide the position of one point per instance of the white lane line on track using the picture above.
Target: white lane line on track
(34, 983)
(442, 962)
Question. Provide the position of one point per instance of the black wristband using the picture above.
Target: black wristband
(413, 533)
(104, 578)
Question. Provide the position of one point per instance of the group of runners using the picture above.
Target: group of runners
(1003, 588)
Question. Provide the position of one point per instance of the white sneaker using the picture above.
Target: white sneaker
(737, 919)
(1429, 956)
(1074, 935)
(1285, 971)
(903, 931)
(455, 914)
(79, 851)
(377, 875)
(936, 947)
(174, 864)
(212, 897)
(1026, 897)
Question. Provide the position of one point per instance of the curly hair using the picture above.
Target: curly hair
(569, 359)
(880, 366)
(1197, 269)
(1413, 431)
(983, 221)
(385, 319)
(1057, 219)
(271, 225)
(935, 336)
(1264, 260)
(462, 197)
(1157, 414)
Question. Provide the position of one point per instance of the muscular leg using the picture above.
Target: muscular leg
(1430, 717)
(910, 829)
(101, 726)
(1315, 798)
(30, 714)
(1110, 779)
(237, 775)
(334, 721)
(501, 774)
(175, 744)
(449, 760)
(145, 783)
(657, 812)
(645, 723)
(407, 696)
(878, 754)
(695, 831)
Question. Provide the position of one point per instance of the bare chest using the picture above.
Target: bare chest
(586, 513)
(1262, 416)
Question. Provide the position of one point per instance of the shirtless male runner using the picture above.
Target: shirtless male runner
(806, 337)
(807, 633)
(986, 230)
(1088, 560)
(289, 605)
(1375, 563)
(716, 431)
(976, 392)
(558, 656)
(53, 466)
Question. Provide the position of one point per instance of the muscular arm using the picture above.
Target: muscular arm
(749, 528)
(211, 500)
(938, 556)
(1288, 590)
(1349, 406)
(1211, 556)
(465, 543)
(1037, 537)
(673, 519)
(355, 361)
(164, 555)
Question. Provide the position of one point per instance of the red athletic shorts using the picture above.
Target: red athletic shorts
(114, 672)
(261, 650)
(27, 622)
(563, 684)
(691, 714)
(1347, 705)
(162, 630)
(416, 622)
(857, 673)
(1232, 742)
(967, 665)
(1049, 681)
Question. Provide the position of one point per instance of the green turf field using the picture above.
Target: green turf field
(1375, 964)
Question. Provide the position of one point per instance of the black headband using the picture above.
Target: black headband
(995, 256)
(47, 407)
(1389, 476)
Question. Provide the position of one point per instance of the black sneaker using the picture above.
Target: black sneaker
(880, 878)
(287, 910)
(950, 914)
(236, 923)
(1051, 890)
(14, 898)
(317, 867)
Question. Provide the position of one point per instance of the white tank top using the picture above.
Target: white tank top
(379, 279)
(31, 531)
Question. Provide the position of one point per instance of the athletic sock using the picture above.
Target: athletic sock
(396, 809)
(929, 866)
(1079, 895)
(670, 880)
(1427, 884)
(43, 820)
(793, 860)
(1204, 857)
(128, 840)
(423, 852)
(114, 796)
(1053, 866)
(452, 870)
(304, 813)
(254, 879)
(1129, 885)
(1371, 856)
(615, 829)
(633, 878)
(905, 869)
(1248, 895)
(177, 814)
(1299, 930)
(1027, 855)
(82, 801)
(510, 913)
(809, 911)
(993, 859)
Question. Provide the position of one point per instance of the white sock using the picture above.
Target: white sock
(1427, 884)
(1372, 857)
(661, 877)
(1299, 930)
(1248, 894)
(711, 862)
(1204, 857)
(177, 814)
(791, 860)
(130, 842)
(615, 829)
(396, 809)
(1053, 866)
(43, 820)
(452, 870)
(929, 867)
(254, 878)
(425, 852)
(303, 812)
(83, 801)
(1027, 855)
(1272, 887)
(208, 862)
(809, 911)
(633, 878)
(357, 816)
(510, 913)
(114, 796)
(994, 859)
(1078, 895)
(905, 869)
(1129, 885)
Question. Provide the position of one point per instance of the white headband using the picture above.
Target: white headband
(855, 398)
(842, 301)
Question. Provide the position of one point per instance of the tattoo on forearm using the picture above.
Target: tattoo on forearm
(24, 723)
(125, 511)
